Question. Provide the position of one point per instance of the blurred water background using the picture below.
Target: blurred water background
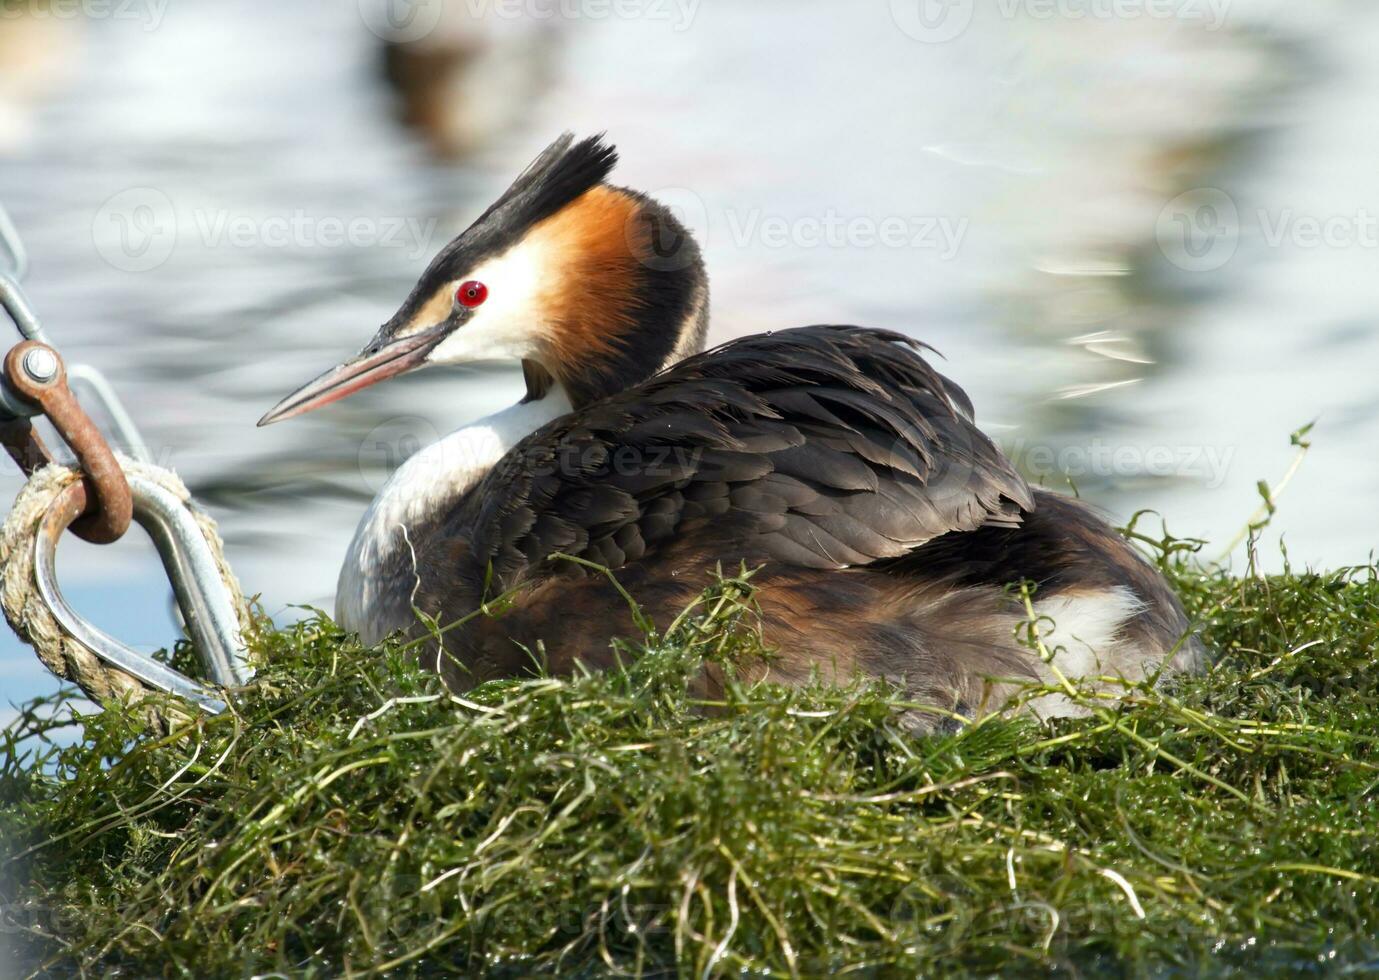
(1145, 235)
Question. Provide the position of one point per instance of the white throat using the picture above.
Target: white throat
(429, 481)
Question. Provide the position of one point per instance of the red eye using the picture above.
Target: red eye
(471, 293)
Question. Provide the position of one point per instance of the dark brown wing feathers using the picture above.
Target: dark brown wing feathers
(821, 447)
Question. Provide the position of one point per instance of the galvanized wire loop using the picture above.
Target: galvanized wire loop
(208, 596)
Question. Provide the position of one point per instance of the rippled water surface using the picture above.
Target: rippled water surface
(1146, 247)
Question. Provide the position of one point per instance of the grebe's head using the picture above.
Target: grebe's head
(592, 287)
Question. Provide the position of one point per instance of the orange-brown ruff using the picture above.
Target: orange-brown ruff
(886, 528)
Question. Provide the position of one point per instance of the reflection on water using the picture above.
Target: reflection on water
(1106, 225)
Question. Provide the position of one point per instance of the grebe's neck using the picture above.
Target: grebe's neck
(373, 593)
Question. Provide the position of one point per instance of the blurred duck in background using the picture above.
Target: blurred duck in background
(464, 76)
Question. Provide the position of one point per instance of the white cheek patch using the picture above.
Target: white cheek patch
(511, 323)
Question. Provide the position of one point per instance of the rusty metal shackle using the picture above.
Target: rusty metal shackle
(36, 372)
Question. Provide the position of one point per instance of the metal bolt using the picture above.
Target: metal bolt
(41, 365)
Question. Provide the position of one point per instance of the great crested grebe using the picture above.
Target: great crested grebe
(885, 527)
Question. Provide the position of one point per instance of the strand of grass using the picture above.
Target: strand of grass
(639, 618)
(1036, 641)
(1271, 497)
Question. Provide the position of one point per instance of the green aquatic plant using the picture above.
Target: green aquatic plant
(349, 816)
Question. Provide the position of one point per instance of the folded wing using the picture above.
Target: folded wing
(821, 447)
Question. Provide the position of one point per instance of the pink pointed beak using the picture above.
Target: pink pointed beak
(390, 360)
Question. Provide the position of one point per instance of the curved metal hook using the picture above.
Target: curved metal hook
(202, 595)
